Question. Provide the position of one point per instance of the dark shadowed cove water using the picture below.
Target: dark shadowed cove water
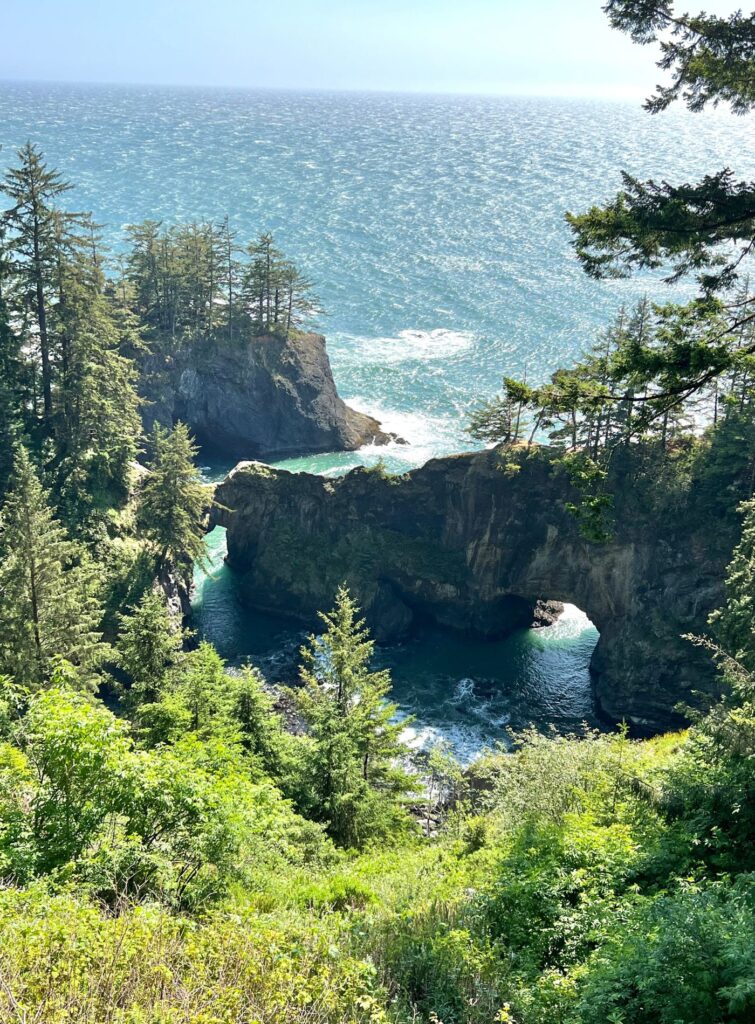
(469, 692)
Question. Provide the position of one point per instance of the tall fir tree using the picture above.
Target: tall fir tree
(704, 229)
(35, 229)
(48, 595)
(99, 426)
(148, 646)
(734, 623)
(354, 763)
(174, 501)
(12, 400)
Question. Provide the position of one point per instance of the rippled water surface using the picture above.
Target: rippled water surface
(432, 225)
(433, 228)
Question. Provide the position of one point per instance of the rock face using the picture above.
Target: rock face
(264, 397)
(469, 544)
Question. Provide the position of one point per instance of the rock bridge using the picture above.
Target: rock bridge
(469, 544)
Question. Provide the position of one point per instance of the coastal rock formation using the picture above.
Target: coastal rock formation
(265, 397)
(469, 542)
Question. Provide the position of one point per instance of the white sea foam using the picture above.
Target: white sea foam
(466, 741)
(426, 435)
(440, 343)
(420, 737)
(572, 622)
(463, 690)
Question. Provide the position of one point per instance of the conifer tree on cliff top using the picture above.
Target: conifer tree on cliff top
(653, 365)
(35, 229)
(705, 228)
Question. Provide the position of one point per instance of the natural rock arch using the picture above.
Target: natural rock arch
(469, 543)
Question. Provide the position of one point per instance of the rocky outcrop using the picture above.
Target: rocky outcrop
(265, 397)
(468, 543)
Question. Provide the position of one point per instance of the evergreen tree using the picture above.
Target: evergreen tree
(705, 229)
(100, 424)
(263, 284)
(188, 693)
(735, 623)
(48, 597)
(188, 283)
(710, 57)
(141, 270)
(36, 228)
(231, 275)
(12, 399)
(300, 304)
(148, 646)
(174, 502)
(260, 727)
(354, 771)
(201, 684)
(278, 297)
(501, 420)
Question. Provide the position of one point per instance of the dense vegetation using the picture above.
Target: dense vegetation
(195, 848)
(197, 861)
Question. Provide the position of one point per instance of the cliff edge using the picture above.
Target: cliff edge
(264, 397)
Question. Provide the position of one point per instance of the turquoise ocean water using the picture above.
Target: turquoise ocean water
(433, 229)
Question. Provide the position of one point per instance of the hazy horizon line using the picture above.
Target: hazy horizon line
(512, 92)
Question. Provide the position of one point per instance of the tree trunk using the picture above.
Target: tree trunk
(44, 345)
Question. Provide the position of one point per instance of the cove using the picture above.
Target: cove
(465, 690)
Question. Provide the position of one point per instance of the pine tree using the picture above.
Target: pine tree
(148, 646)
(231, 275)
(501, 420)
(260, 727)
(705, 229)
(48, 599)
(141, 270)
(99, 423)
(300, 304)
(735, 622)
(36, 228)
(200, 683)
(354, 761)
(11, 369)
(263, 284)
(173, 501)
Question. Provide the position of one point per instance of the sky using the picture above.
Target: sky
(540, 47)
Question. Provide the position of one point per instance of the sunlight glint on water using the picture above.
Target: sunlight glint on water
(442, 267)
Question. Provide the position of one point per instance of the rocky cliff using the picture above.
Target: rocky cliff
(263, 397)
(469, 544)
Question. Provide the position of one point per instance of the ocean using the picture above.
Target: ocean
(433, 229)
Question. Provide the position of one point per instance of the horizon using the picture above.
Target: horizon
(491, 48)
(633, 96)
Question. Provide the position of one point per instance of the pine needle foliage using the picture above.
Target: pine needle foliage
(354, 766)
(48, 592)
